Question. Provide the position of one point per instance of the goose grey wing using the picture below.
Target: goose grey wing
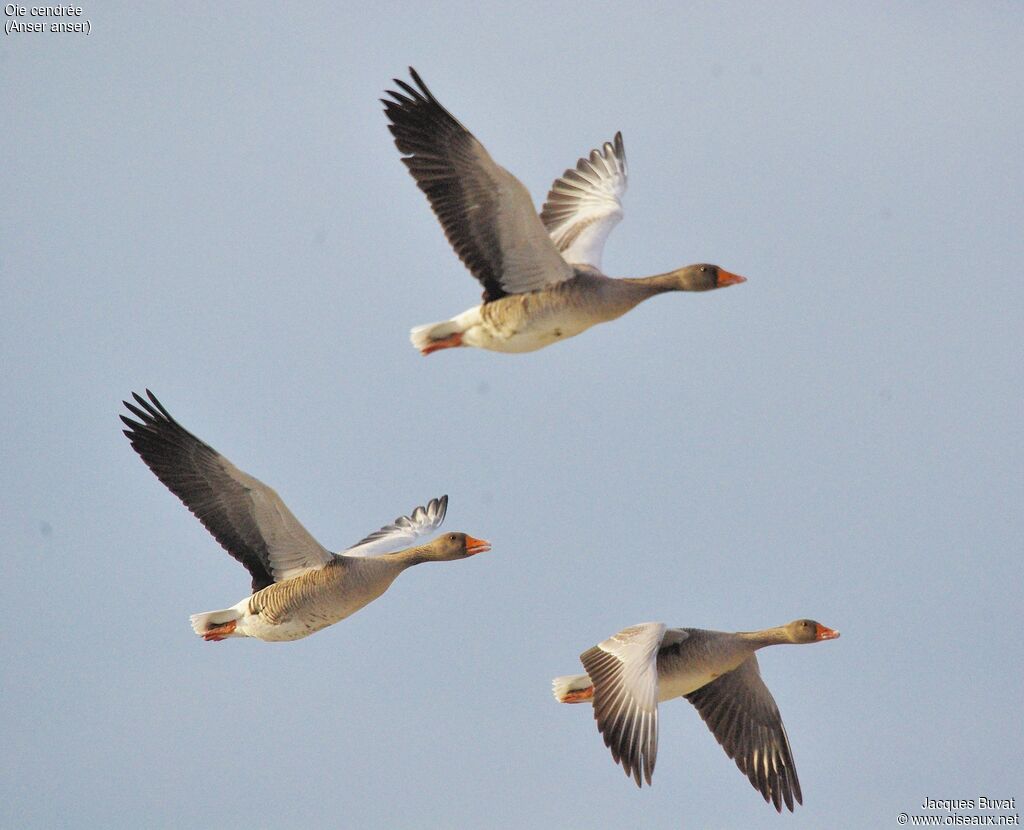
(242, 513)
(585, 204)
(624, 672)
(486, 212)
(741, 713)
(403, 531)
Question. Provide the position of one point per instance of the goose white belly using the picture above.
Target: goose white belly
(303, 605)
(535, 336)
(515, 325)
(298, 622)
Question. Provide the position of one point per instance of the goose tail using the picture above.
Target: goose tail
(216, 625)
(429, 338)
(573, 688)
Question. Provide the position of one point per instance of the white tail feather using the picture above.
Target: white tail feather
(562, 686)
(423, 336)
(201, 623)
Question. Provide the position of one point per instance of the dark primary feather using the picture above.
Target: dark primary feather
(201, 477)
(741, 713)
(446, 162)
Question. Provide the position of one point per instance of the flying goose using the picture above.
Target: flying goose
(632, 671)
(298, 585)
(542, 274)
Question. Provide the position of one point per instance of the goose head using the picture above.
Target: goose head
(808, 631)
(455, 546)
(704, 277)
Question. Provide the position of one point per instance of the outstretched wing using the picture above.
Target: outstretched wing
(624, 671)
(248, 518)
(403, 531)
(584, 204)
(486, 212)
(741, 713)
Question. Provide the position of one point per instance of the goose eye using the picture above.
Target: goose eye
(451, 537)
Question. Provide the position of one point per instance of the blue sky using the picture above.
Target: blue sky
(206, 201)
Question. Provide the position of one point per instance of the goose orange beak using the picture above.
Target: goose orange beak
(725, 278)
(826, 633)
(475, 546)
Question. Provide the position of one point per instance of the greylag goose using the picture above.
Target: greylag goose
(632, 671)
(298, 585)
(542, 274)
